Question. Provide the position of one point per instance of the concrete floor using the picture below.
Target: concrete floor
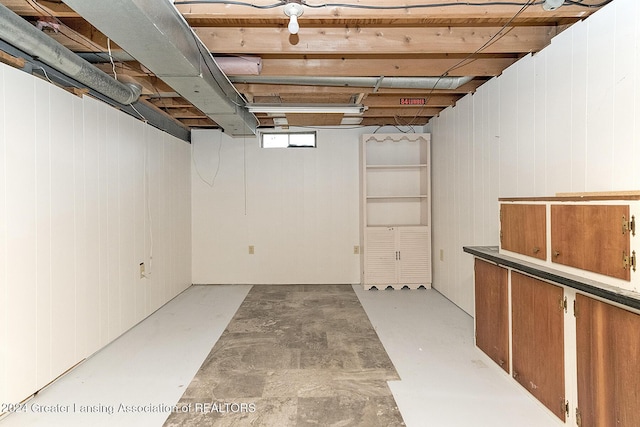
(137, 379)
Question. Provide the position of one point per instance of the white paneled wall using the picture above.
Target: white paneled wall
(564, 120)
(299, 208)
(86, 194)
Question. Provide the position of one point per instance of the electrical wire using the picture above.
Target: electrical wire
(244, 171)
(419, 6)
(113, 65)
(46, 75)
(593, 5)
(81, 41)
(195, 164)
(465, 61)
(234, 3)
(147, 190)
(469, 58)
(489, 42)
(394, 7)
(144, 119)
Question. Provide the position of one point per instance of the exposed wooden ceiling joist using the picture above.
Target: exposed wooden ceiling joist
(387, 65)
(381, 40)
(452, 38)
(406, 14)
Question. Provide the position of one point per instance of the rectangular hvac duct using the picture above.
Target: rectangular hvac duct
(156, 35)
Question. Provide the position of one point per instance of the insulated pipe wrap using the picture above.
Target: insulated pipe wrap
(18, 32)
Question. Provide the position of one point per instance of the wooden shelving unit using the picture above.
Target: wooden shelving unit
(396, 210)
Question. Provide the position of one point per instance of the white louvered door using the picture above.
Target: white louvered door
(397, 255)
(380, 256)
(414, 256)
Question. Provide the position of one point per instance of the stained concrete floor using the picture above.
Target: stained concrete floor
(444, 380)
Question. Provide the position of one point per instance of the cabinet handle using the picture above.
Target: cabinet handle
(536, 249)
(556, 254)
(399, 256)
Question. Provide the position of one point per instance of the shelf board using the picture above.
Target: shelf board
(412, 166)
(416, 196)
(408, 224)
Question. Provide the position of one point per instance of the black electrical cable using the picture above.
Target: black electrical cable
(396, 7)
(593, 5)
(420, 6)
(470, 57)
(491, 40)
(234, 3)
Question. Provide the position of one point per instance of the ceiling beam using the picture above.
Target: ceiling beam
(462, 11)
(200, 123)
(39, 8)
(273, 90)
(186, 113)
(383, 65)
(405, 112)
(386, 40)
(395, 101)
(394, 121)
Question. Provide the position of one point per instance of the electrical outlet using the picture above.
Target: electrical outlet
(356, 250)
(441, 254)
(142, 270)
(251, 249)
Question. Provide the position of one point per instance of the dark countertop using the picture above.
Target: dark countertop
(584, 285)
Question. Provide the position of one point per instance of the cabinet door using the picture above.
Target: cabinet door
(591, 237)
(492, 312)
(538, 340)
(380, 256)
(608, 349)
(523, 229)
(414, 255)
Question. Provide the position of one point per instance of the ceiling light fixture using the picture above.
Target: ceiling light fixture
(552, 4)
(306, 108)
(293, 11)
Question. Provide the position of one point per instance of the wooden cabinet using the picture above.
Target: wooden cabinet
(395, 210)
(492, 311)
(608, 357)
(592, 238)
(572, 343)
(523, 229)
(569, 264)
(537, 313)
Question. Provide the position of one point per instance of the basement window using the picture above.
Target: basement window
(288, 140)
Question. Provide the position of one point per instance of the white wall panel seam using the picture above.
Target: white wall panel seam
(566, 148)
(3, 242)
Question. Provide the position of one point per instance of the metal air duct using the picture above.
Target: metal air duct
(379, 82)
(26, 37)
(155, 34)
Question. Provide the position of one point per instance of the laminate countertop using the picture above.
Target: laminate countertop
(587, 286)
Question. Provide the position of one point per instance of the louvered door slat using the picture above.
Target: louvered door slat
(380, 260)
(414, 255)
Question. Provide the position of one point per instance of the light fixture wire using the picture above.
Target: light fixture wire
(394, 7)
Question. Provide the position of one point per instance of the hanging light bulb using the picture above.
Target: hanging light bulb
(293, 11)
(293, 25)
